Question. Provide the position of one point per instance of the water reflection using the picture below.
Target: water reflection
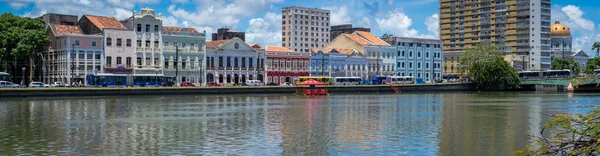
(407, 124)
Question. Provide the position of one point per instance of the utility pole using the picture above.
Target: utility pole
(322, 63)
(204, 61)
(377, 60)
(72, 63)
(176, 65)
(258, 65)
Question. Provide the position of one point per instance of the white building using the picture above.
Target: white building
(186, 44)
(304, 28)
(148, 28)
(232, 61)
(119, 51)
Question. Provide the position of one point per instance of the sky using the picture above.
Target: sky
(261, 19)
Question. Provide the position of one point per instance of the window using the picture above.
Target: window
(156, 44)
(93, 43)
(108, 61)
(128, 62)
(250, 62)
(147, 44)
(77, 42)
(166, 64)
(191, 64)
(147, 27)
(128, 42)
(89, 56)
(183, 63)
(139, 61)
(119, 60)
(410, 54)
(155, 28)
(228, 61)
(183, 45)
(166, 44)
(119, 44)
(148, 62)
(243, 62)
(139, 43)
(139, 28)
(97, 56)
(220, 61)
(155, 61)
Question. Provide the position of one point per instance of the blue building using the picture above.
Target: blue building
(421, 58)
(338, 62)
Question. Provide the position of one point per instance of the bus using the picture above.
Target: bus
(377, 80)
(347, 80)
(132, 80)
(324, 79)
(401, 80)
(4, 77)
(545, 74)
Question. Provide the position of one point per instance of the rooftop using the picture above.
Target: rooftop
(277, 48)
(371, 38)
(66, 29)
(216, 43)
(103, 22)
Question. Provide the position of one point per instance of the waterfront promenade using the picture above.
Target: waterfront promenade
(133, 91)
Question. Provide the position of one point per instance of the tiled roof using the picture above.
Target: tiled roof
(66, 29)
(171, 28)
(256, 46)
(105, 22)
(371, 38)
(192, 30)
(216, 43)
(344, 50)
(277, 48)
(357, 39)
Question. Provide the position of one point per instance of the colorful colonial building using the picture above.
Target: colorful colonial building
(183, 49)
(148, 30)
(285, 65)
(381, 56)
(118, 47)
(418, 57)
(231, 62)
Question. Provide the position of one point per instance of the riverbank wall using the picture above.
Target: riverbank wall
(141, 91)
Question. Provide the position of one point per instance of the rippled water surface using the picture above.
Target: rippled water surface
(405, 124)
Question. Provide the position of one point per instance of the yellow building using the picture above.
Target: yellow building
(519, 28)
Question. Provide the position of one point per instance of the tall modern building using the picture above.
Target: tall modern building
(304, 28)
(520, 28)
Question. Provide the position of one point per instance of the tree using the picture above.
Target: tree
(20, 38)
(560, 64)
(486, 66)
(596, 47)
(386, 36)
(574, 135)
(592, 64)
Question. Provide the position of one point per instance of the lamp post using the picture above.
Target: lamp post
(156, 76)
(23, 77)
(176, 66)
(72, 64)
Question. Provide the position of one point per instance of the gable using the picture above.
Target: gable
(236, 45)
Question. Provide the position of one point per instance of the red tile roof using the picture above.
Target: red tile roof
(256, 46)
(277, 48)
(216, 43)
(357, 39)
(66, 29)
(371, 38)
(176, 28)
(344, 50)
(105, 22)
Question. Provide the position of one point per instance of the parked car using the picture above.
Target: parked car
(187, 84)
(58, 84)
(286, 84)
(272, 84)
(38, 85)
(254, 83)
(7, 84)
(211, 84)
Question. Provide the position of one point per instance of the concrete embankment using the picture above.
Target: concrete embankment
(74, 92)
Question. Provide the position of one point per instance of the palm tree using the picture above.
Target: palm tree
(596, 47)
(386, 36)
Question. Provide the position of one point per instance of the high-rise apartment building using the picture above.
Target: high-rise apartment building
(304, 28)
(520, 28)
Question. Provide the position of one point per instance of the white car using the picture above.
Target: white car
(7, 84)
(254, 83)
(286, 84)
(58, 84)
(38, 85)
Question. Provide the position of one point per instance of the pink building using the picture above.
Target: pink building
(72, 54)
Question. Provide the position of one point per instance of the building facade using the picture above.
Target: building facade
(72, 54)
(59, 19)
(284, 65)
(148, 29)
(227, 34)
(336, 30)
(421, 58)
(561, 40)
(304, 28)
(581, 57)
(119, 51)
(338, 62)
(520, 29)
(231, 62)
(380, 55)
(183, 54)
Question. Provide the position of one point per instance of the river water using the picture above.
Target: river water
(467, 123)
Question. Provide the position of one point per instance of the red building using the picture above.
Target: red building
(285, 65)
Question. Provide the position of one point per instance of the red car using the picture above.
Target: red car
(187, 84)
(213, 84)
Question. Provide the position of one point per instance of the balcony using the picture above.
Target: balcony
(210, 68)
(244, 68)
(221, 68)
(236, 68)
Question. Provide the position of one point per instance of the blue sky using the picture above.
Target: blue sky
(261, 19)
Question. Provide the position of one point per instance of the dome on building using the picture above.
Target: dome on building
(558, 29)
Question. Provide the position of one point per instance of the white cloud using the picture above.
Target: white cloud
(397, 23)
(433, 25)
(17, 5)
(339, 15)
(170, 21)
(575, 15)
(364, 22)
(265, 31)
(117, 8)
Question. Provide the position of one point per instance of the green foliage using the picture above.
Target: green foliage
(592, 64)
(560, 64)
(575, 135)
(386, 36)
(21, 36)
(486, 66)
(596, 47)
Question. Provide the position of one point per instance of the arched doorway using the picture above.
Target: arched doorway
(236, 79)
(220, 78)
(260, 77)
(288, 79)
(210, 77)
(250, 77)
(228, 78)
(243, 78)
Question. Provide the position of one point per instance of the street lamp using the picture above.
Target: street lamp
(72, 64)
(156, 76)
(23, 77)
